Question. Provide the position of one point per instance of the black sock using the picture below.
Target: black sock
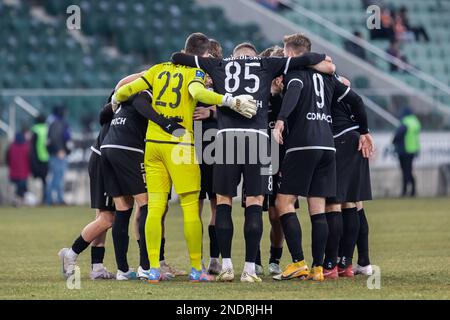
(97, 254)
(351, 229)
(79, 245)
(334, 221)
(143, 255)
(214, 251)
(120, 238)
(161, 249)
(253, 229)
(363, 239)
(275, 255)
(319, 236)
(224, 229)
(293, 235)
(258, 257)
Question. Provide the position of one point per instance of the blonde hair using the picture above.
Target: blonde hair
(297, 42)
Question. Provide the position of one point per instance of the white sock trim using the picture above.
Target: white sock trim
(227, 264)
(71, 254)
(249, 267)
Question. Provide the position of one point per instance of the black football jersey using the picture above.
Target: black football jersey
(246, 75)
(275, 102)
(343, 118)
(127, 129)
(310, 123)
(101, 136)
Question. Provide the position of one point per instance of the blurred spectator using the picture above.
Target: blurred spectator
(386, 30)
(401, 31)
(407, 146)
(38, 152)
(418, 31)
(394, 50)
(355, 48)
(17, 159)
(58, 138)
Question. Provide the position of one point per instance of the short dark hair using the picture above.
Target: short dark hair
(297, 42)
(244, 45)
(215, 49)
(196, 44)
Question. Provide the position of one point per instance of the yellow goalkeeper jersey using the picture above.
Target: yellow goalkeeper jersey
(171, 97)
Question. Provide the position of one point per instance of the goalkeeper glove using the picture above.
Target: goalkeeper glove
(114, 103)
(243, 104)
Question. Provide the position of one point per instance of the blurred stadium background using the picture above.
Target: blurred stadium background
(44, 64)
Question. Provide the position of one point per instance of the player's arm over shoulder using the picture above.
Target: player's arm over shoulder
(204, 63)
(346, 94)
(134, 83)
(198, 91)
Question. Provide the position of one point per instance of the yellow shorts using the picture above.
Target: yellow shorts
(167, 163)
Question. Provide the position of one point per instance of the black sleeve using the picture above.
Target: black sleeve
(294, 86)
(143, 104)
(283, 65)
(106, 114)
(358, 109)
(308, 59)
(207, 64)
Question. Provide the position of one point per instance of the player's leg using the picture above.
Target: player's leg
(141, 201)
(350, 220)
(276, 240)
(90, 232)
(193, 232)
(120, 235)
(363, 266)
(159, 184)
(185, 174)
(323, 185)
(319, 235)
(334, 221)
(104, 207)
(98, 270)
(214, 250)
(157, 202)
(206, 171)
(167, 269)
(285, 205)
(226, 180)
(253, 228)
(224, 232)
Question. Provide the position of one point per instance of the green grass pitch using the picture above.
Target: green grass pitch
(410, 242)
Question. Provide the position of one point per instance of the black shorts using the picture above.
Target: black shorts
(269, 199)
(244, 160)
(352, 171)
(124, 172)
(99, 199)
(207, 173)
(308, 173)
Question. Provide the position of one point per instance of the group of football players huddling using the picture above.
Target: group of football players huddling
(282, 121)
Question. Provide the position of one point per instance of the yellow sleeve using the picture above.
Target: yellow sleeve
(142, 83)
(198, 91)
